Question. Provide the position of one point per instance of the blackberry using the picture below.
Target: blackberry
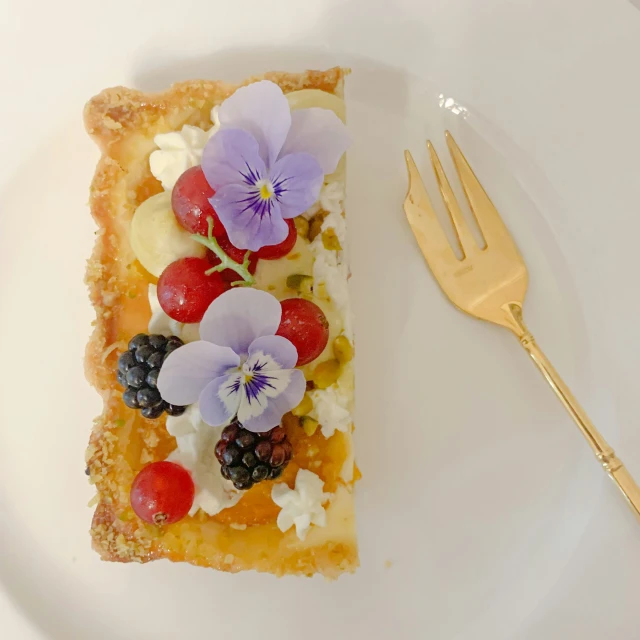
(135, 376)
(152, 412)
(174, 409)
(126, 361)
(130, 399)
(158, 341)
(144, 353)
(156, 359)
(138, 370)
(148, 397)
(247, 458)
(172, 344)
(152, 378)
(138, 341)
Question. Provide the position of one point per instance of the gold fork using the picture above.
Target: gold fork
(490, 283)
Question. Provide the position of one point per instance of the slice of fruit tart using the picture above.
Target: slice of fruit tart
(223, 345)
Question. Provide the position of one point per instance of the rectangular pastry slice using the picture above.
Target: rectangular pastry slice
(223, 345)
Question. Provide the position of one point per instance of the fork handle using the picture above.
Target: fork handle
(604, 453)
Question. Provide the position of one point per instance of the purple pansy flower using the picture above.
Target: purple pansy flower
(267, 164)
(239, 367)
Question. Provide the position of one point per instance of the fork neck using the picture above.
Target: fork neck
(515, 322)
(604, 453)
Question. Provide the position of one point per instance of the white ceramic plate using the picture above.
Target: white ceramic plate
(477, 492)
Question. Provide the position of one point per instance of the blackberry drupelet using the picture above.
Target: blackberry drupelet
(138, 370)
(247, 458)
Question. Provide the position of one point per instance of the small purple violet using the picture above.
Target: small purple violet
(239, 368)
(267, 164)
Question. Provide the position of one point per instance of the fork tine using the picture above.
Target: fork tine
(424, 222)
(489, 220)
(465, 239)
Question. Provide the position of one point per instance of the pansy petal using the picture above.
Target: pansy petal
(231, 156)
(261, 109)
(270, 353)
(220, 399)
(263, 411)
(297, 179)
(239, 316)
(251, 221)
(189, 369)
(320, 133)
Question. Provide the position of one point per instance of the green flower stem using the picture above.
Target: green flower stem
(225, 261)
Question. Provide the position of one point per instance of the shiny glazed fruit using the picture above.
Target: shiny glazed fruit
(247, 458)
(277, 251)
(191, 206)
(185, 292)
(138, 371)
(162, 493)
(304, 324)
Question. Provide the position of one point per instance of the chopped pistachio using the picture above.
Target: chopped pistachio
(300, 283)
(304, 407)
(309, 425)
(315, 225)
(342, 349)
(330, 240)
(326, 374)
(302, 226)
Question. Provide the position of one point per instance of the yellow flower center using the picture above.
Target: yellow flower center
(265, 191)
